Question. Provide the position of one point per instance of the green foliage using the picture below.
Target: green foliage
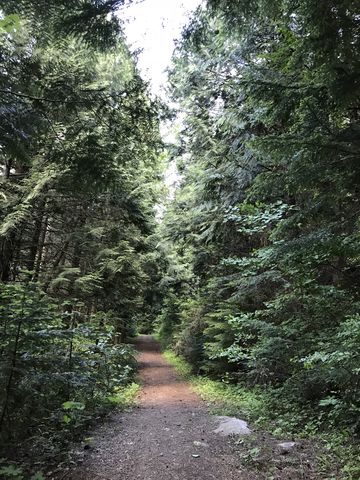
(169, 321)
(79, 262)
(11, 472)
(56, 370)
(16, 473)
(125, 396)
(266, 219)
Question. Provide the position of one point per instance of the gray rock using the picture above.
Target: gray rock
(286, 447)
(232, 426)
(201, 444)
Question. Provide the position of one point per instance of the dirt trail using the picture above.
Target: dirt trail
(156, 440)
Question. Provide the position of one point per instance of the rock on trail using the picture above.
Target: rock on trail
(232, 426)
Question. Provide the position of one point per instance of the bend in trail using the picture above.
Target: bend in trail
(156, 440)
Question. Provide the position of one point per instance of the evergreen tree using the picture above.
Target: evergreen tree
(79, 266)
(268, 209)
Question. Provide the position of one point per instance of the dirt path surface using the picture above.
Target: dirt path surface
(155, 441)
(170, 436)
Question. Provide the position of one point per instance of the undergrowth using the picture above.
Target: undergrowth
(257, 406)
(125, 397)
(122, 398)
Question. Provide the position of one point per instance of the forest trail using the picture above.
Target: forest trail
(155, 441)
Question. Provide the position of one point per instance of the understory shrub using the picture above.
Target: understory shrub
(57, 369)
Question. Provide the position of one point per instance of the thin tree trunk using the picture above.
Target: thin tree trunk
(11, 374)
(40, 249)
(35, 240)
(8, 165)
(6, 256)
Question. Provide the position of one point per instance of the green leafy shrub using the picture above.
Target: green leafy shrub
(57, 371)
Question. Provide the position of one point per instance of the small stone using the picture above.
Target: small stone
(286, 447)
(195, 456)
(201, 444)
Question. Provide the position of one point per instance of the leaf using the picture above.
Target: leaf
(38, 476)
(66, 419)
(73, 405)
(10, 23)
(329, 402)
(12, 472)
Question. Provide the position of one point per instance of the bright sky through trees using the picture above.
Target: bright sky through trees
(153, 25)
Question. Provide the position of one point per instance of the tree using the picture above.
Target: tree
(270, 187)
(79, 265)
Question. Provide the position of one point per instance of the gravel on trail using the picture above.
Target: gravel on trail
(169, 435)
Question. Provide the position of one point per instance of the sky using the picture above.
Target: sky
(152, 25)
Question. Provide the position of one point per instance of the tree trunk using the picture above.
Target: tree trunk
(40, 249)
(6, 256)
(35, 239)
(11, 373)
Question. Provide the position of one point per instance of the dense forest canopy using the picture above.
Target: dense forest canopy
(253, 272)
(265, 225)
(79, 149)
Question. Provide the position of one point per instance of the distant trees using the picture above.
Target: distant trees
(267, 216)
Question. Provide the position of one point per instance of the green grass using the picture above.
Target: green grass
(180, 365)
(125, 397)
(221, 397)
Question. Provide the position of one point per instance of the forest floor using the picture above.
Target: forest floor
(170, 434)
